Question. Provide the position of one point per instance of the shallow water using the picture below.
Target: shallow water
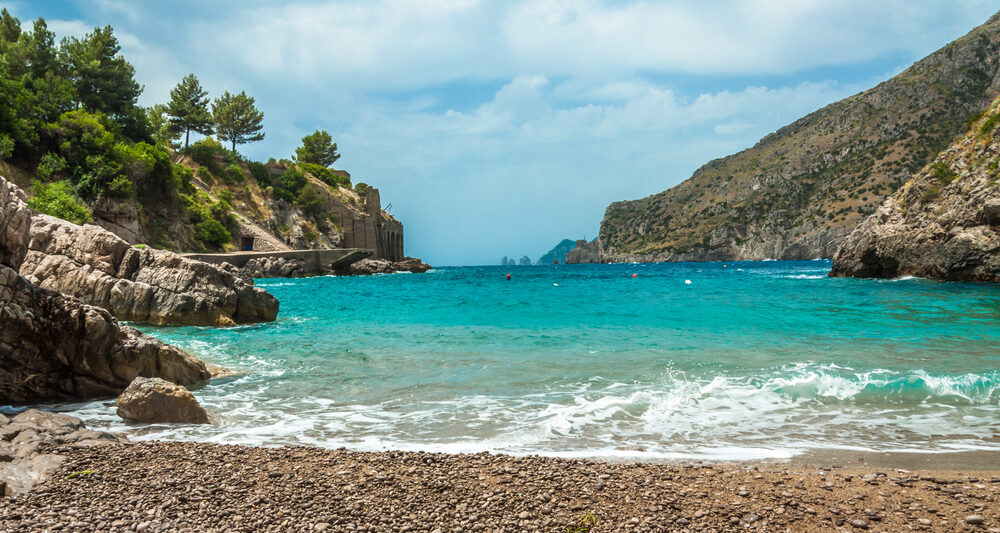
(749, 360)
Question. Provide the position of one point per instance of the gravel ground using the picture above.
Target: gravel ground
(176, 486)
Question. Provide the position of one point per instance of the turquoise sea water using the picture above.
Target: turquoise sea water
(754, 359)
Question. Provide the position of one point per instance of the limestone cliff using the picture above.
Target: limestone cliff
(144, 285)
(942, 224)
(798, 192)
(53, 347)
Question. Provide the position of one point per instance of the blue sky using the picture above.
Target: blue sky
(500, 128)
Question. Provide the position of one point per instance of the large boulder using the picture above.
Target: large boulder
(154, 400)
(942, 224)
(53, 347)
(142, 285)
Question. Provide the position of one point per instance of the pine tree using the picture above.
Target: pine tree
(237, 119)
(188, 109)
(317, 148)
(104, 80)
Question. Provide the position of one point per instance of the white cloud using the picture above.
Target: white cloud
(571, 104)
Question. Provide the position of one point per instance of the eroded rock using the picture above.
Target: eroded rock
(154, 400)
(53, 347)
(943, 224)
(143, 285)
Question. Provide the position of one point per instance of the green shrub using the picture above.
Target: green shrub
(182, 176)
(362, 188)
(944, 172)
(311, 202)
(212, 231)
(205, 152)
(990, 124)
(325, 175)
(259, 173)
(234, 174)
(289, 184)
(50, 166)
(6, 146)
(59, 200)
(226, 196)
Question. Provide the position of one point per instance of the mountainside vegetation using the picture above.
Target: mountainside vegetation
(74, 136)
(799, 191)
(944, 223)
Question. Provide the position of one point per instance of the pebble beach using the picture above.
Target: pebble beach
(186, 486)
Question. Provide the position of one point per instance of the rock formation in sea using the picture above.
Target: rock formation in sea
(366, 267)
(942, 224)
(142, 285)
(54, 347)
(799, 192)
(155, 400)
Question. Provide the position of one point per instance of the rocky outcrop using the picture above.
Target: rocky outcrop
(154, 400)
(134, 284)
(15, 223)
(367, 267)
(411, 264)
(29, 445)
(585, 252)
(53, 347)
(943, 224)
(275, 267)
(800, 191)
(558, 252)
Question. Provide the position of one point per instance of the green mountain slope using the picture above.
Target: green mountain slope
(799, 191)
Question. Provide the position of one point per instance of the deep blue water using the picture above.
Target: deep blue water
(751, 359)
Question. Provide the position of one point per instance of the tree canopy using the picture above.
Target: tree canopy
(104, 81)
(237, 119)
(188, 109)
(317, 148)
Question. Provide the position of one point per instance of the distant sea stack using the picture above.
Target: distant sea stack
(942, 224)
(800, 191)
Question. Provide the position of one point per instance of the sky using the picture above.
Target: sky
(499, 128)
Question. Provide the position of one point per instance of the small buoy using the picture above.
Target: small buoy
(555, 284)
(724, 266)
(508, 276)
(687, 282)
(635, 275)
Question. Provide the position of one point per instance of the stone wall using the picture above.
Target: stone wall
(371, 229)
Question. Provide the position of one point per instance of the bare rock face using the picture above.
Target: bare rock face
(15, 221)
(26, 442)
(943, 224)
(143, 285)
(154, 400)
(54, 347)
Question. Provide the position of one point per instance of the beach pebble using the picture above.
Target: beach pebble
(859, 523)
(974, 520)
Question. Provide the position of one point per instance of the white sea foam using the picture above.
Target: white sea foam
(727, 417)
